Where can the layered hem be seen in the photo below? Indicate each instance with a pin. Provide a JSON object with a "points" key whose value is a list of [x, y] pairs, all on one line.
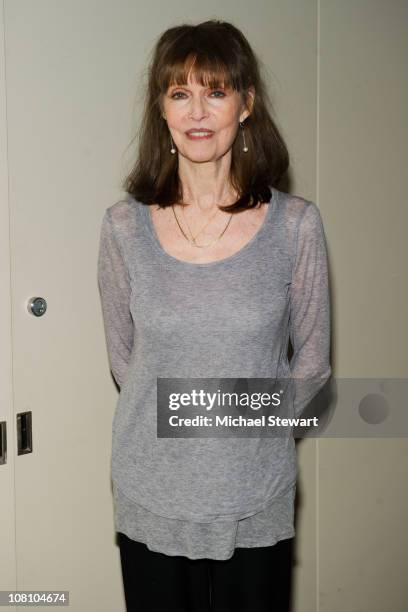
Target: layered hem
{"points": [[199, 540]]}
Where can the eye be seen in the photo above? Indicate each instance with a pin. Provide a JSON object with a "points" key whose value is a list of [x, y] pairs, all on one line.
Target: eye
{"points": [[175, 95]]}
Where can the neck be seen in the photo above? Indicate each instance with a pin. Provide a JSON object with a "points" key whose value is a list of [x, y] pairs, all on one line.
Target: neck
{"points": [[206, 185]]}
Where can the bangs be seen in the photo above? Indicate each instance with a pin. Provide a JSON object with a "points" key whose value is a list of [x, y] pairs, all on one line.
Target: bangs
{"points": [[208, 70]]}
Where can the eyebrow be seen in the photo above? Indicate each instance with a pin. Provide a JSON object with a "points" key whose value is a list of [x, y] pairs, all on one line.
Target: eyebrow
{"points": [[186, 86]]}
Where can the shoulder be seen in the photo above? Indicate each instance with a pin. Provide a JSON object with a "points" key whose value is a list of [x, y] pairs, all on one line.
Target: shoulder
{"points": [[299, 223], [120, 216], [294, 207], [297, 213], [122, 210]]}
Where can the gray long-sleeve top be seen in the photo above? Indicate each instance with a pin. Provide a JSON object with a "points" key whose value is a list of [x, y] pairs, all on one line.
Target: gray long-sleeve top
{"points": [[165, 317]]}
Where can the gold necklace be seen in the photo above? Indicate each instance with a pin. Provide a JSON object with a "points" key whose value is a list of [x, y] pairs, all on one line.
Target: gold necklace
{"points": [[204, 226], [193, 241]]}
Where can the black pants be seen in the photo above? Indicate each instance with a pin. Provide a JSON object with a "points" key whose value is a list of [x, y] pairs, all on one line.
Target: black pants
{"points": [[252, 580]]}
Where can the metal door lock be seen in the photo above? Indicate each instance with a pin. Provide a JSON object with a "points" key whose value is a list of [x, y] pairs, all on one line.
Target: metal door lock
{"points": [[37, 306]]}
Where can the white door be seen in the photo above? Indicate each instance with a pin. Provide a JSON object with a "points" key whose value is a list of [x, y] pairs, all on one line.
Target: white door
{"points": [[54, 190], [7, 430]]}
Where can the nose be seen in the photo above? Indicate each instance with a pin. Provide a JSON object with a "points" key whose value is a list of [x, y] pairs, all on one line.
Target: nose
{"points": [[197, 109]]}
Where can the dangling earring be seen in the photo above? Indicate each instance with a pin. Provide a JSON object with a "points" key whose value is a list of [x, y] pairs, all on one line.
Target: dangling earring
{"points": [[244, 148], [172, 150]]}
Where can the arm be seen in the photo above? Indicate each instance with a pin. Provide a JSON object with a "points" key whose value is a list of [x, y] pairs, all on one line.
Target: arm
{"points": [[309, 322], [114, 287]]}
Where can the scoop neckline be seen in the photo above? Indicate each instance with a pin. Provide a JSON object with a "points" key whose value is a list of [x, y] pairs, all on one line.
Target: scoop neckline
{"points": [[210, 264]]}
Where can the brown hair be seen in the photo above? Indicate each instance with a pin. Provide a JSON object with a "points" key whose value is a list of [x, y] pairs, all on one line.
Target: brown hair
{"points": [[219, 55]]}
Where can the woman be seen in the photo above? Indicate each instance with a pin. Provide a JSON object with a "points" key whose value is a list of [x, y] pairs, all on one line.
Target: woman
{"points": [[205, 270]]}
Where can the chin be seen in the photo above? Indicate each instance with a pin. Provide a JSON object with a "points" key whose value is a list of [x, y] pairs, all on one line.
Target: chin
{"points": [[200, 159]]}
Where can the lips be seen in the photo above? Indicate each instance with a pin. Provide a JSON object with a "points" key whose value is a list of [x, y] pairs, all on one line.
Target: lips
{"points": [[199, 130], [199, 134]]}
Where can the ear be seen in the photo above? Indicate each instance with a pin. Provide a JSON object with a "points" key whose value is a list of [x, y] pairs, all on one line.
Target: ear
{"points": [[249, 104]]}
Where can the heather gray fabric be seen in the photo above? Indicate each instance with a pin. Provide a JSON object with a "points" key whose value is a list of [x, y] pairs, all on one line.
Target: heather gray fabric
{"points": [[216, 540], [231, 318]]}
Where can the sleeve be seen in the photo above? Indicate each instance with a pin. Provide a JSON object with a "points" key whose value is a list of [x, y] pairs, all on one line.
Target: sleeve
{"points": [[309, 319], [114, 287]]}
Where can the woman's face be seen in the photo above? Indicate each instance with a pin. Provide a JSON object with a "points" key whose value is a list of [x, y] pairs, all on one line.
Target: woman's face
{"points": [[203, 122]]}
